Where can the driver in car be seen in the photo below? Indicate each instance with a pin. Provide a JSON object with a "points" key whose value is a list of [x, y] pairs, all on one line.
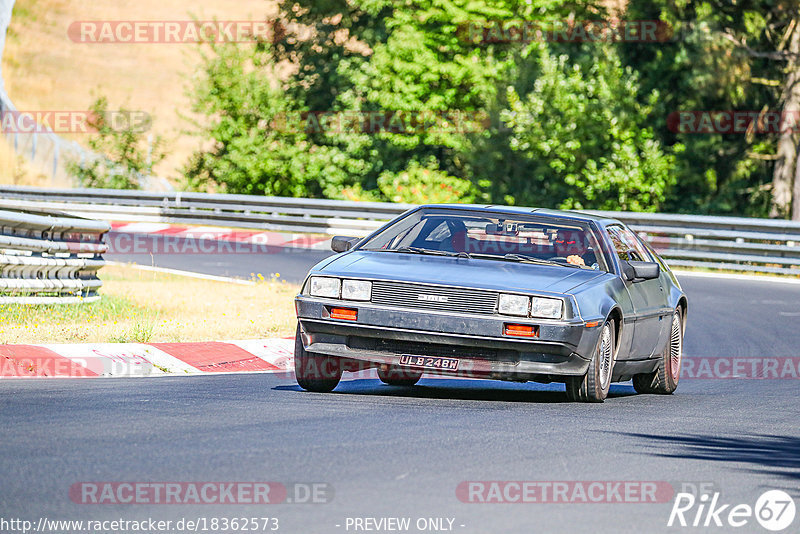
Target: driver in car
{"points": [[571, 245]]}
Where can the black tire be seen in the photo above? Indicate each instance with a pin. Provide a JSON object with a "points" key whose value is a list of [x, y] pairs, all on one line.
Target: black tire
{"points": [[664, 380], [399, 376], [594, 385], [315, 372]]}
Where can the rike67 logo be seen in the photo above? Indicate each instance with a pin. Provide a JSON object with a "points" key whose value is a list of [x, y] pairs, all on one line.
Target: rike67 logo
{"points": [[774, 510]]}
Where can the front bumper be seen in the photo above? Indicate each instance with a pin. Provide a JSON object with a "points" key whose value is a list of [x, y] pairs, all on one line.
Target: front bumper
{"points": [[382, 334]]}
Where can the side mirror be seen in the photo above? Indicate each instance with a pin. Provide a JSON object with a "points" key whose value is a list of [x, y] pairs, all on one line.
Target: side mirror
{"points": [[343, 244], [637, 271]]}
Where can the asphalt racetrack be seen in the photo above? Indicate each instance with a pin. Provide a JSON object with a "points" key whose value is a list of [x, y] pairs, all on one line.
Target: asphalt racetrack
{"points": [[291, 263], [390, 452]]}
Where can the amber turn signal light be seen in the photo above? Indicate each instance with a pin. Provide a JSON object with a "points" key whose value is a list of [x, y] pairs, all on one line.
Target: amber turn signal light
{"points": [[348, 314], [521, 330]]}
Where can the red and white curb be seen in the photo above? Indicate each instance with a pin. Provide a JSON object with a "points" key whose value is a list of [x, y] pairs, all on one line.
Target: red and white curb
{"points": [[253, 237], [274, 355]]}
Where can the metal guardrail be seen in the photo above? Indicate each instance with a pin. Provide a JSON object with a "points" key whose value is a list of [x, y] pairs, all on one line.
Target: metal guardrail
{"points": [[242, 211], [48, 258], [745, 244]]}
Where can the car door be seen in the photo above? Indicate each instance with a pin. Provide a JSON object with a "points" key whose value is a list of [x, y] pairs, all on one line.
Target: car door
{"points": [[648, 296]]}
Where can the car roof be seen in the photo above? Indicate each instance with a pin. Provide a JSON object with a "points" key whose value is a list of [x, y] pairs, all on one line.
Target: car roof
{"points": [[516, 210]]}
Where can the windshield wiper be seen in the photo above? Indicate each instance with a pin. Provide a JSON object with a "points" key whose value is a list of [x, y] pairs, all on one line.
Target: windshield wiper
{"points": [[531, 259], [522, 259], [418, 250]]}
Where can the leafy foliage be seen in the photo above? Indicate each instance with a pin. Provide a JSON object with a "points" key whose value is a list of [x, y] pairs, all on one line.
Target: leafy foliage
{"points": [[571, 125], [253, 151], [123, 159], [433, 185], [579, 129], [701, 68]]}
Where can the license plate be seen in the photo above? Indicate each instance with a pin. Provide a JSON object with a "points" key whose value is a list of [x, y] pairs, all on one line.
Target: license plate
{"points": [[430, 362]]}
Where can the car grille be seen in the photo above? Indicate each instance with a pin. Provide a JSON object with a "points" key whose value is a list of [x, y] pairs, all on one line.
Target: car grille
{"points": [[426, 297]]}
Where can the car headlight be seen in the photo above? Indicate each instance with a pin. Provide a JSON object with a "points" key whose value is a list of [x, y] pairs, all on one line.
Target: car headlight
{"points": [[356, 290], [323, 286], [547, 308], [513, 305]]}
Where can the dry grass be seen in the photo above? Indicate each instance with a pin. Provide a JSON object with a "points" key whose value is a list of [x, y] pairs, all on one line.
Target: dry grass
{"points": [[144, 306], [45, 70], [16, 170]]}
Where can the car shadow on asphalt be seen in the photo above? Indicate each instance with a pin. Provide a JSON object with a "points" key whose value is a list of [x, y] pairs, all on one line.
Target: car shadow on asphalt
{"points": [[476, 390], [766, 454]]}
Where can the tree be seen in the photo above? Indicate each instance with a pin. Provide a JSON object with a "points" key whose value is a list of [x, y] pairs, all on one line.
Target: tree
{"points": [[370, 56], [415, 59], [579, 126], [725, 56], [123, 159], [256, 146]]}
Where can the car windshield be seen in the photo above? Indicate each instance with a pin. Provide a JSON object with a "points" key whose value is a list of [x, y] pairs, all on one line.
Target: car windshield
{"points": [[491, 236]]}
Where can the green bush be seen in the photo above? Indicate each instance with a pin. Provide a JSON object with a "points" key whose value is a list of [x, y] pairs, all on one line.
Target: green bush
{"points": [[425, 185], [123, 157]]}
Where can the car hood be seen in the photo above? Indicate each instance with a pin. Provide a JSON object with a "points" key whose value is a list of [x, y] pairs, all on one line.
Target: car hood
{"points": [[489, 274]]}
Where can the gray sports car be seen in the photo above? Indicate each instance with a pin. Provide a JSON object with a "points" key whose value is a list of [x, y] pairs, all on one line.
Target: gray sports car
{"points": [[505, 293]]}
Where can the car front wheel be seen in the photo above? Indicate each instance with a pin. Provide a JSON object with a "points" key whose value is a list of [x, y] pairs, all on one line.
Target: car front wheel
{"points": [[664, 380], [315, 372], [594, 385]]}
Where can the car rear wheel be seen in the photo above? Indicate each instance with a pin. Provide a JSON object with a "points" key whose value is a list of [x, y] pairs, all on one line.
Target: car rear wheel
{"points": [[395, 375], [315, 372], [664, 380], [594, 385]]}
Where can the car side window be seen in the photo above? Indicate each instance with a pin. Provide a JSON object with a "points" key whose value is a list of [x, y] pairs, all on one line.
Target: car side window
{"points": [[647, 254], [626, 245], [439, 234], [619, 244]]}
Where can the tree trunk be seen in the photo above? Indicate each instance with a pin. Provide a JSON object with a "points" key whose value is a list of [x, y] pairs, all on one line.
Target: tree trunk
{"points": [[786, 162]]}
